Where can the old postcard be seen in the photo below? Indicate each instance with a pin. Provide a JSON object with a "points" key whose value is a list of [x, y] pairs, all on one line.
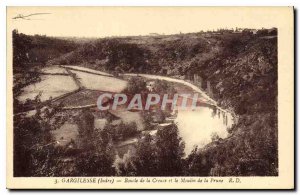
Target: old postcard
{"points": [[150, 98]]}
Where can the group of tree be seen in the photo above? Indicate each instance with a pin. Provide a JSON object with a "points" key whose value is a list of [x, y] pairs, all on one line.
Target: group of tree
{"points": [[243, 79], [159, 155], [37, 49], [121, 131], [34, 149]]}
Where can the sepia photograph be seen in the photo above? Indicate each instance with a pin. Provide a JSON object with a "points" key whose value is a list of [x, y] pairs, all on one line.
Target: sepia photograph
{"points": [[161, 93]]}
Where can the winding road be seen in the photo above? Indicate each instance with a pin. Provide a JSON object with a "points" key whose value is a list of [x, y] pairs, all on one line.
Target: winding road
{"points": [[195, 88]]}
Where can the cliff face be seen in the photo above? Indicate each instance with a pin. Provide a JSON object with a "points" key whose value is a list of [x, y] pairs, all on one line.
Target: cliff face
{"points": [[242, 71]]}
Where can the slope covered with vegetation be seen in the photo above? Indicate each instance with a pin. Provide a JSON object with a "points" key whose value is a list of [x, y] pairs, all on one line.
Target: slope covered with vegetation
{"points": [[37, 50], [241, 68]]}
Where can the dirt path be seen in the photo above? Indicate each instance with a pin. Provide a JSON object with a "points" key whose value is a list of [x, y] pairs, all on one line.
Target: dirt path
{"points": [[75, 78]]}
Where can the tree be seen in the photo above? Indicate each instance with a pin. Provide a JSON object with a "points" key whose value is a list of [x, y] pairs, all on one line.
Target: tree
{"points": [[121, 131], [21, 46], [170, 151], [161, 155], [164, 87], [136, 85], [147, 119], [146, 160], [86, 123], [197, 164], [97, 156], [34, 150]]}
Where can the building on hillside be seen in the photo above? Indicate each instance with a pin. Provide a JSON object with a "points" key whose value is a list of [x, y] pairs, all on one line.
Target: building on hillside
{"points": [[150, 85]]}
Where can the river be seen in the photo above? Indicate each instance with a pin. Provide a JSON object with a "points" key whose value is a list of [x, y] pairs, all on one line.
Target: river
{"points": [[197, 126]]}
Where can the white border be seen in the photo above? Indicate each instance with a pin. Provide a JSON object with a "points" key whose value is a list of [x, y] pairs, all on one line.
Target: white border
{"points": [[5, 3]]}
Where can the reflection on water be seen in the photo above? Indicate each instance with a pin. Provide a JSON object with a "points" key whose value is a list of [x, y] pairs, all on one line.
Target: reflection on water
{"points": [[197, 126]]}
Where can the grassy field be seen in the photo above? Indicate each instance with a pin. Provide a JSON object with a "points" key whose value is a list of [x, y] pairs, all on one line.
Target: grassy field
{"points": [[50, 86], [98, 82]]}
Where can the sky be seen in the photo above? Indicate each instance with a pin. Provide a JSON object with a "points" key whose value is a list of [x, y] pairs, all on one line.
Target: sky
{"points": [[126, 21]]}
